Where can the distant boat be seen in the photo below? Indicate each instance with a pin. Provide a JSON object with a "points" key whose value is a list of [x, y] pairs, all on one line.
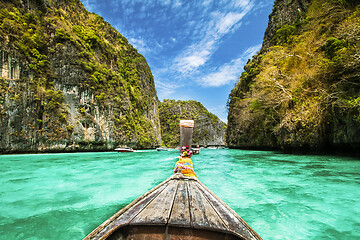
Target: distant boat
{"points": [[196, 151], [124, 149], [162, 149], [212, 148]]}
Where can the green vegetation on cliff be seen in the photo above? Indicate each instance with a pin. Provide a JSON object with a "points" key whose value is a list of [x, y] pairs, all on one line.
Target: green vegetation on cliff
{"points": [[58, 46], [304, 90], [208, 130]]}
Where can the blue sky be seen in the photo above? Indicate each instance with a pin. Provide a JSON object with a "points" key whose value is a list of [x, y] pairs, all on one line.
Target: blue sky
{"points": [[196, 49]]}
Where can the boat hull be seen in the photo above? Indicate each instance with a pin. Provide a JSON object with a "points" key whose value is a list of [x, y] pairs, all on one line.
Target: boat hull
{"points": [[196, 151], [178, 208], [124, 150], [161, 149], [167, 232]]}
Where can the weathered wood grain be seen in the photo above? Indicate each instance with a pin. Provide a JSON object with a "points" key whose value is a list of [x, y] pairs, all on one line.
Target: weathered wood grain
{"points": [[158, 211], [232, 221], [180, 214], [125, 215], [202, 213], [181, 206], [140, 206]]}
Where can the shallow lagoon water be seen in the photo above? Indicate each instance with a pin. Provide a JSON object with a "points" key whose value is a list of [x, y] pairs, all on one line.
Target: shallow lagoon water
{"points": [[65, 196]]}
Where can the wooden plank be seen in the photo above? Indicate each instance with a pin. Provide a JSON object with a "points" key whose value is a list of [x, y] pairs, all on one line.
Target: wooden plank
{"points": [[136, 207], [110, 223], [158, 211], [180, 214], [232, 220], [202, 213], [127, 216]]}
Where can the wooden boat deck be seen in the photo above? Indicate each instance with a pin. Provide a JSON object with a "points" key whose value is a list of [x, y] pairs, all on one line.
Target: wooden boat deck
{"points": [[179, 204]]}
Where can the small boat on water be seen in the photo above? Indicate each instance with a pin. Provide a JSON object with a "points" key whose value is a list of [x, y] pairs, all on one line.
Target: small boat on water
{"points": [[161, 149], [124, 149], [179, 208], [212, 147], [196, 151]]}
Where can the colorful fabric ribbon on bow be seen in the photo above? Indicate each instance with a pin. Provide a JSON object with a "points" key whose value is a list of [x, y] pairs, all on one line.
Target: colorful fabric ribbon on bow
{"points": [[185, 166]]}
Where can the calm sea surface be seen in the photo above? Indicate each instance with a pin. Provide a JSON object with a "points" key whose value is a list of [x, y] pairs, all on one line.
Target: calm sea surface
{"points": [[65, 196]]}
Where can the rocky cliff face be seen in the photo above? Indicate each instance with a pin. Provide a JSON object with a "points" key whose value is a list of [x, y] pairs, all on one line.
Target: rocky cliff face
{"points": [[69, 81], [284, 13], [302, 91], [208, 129]]}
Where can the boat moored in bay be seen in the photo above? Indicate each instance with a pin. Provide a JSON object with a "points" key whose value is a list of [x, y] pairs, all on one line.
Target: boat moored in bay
{"points": [[124, 149], [162, 149]]}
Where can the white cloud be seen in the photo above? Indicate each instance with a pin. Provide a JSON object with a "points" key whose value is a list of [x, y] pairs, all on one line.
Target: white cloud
{"points": [[166, 2], [241, 3], [206, 2], [220, 112], [228, 72], [251, 51], [225, 74], [177, 3], [166, 89], [90, 5], [145, 47], [139, 44], [193, 60], [228, 21], [207, 36]]}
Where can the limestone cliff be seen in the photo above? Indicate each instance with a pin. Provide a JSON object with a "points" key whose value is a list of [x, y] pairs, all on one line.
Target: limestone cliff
{"points": [[209, 130], [284, 13], [69, 81], [302, 90]]}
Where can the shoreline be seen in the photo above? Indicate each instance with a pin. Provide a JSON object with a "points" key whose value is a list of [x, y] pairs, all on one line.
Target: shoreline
{"points": [[345, 152], [291, 151], [14, 152]]}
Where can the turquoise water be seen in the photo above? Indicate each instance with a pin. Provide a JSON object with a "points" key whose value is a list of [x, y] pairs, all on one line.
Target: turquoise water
{"points": [[65, 196]]}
